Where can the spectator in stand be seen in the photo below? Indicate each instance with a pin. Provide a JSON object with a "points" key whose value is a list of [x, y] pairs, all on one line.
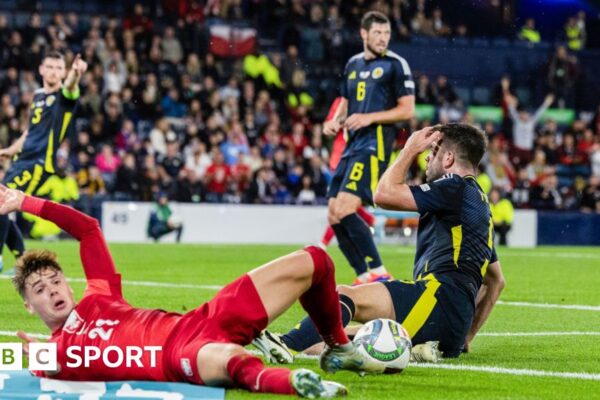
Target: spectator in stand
{"points": [[107, 163], [440, 28], [562, 72], [307, 195], [424, 92], [444, 92], [521, 189], [235, 144], [170, 165], [172, 50], [172, 106], [546, 196], [127, 183], [500, 171], [574, 33], [524, 127], [263, 187], [570, 156], [590, 199], [503, 214], [528, 32], [595, 158], [217, 178], [160, 134], [537, 169], [421, 25]]}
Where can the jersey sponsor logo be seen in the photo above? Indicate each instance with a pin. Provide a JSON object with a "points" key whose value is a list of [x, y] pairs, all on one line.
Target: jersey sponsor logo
{"points": [[352, 186], [425, 187], [377, 73], [364, 74], [352, 75], [186, 367], [50, 100], [39, 103], [409, 84]]}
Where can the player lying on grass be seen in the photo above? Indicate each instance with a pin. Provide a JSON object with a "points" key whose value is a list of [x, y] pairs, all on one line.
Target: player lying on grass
{"points": [[203, 346], [457, 277]]}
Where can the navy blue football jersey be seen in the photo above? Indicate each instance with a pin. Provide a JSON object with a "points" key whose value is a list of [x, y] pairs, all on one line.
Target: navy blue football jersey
{"points": [[455, 240], [50, 117], [371, 86]]}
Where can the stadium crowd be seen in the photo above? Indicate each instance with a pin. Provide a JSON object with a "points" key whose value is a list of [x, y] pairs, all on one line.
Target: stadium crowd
{"points": [[160, 113]]}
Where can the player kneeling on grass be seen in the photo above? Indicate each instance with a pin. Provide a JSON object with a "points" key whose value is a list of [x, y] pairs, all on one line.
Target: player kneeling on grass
{"points": [[457, 277], [203, 346]]}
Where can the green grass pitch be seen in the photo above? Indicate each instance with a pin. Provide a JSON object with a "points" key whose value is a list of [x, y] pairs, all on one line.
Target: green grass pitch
{"points": [[519, 356]]}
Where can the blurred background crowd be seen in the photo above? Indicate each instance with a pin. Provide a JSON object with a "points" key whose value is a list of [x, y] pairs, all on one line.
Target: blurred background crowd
{"points": [[224, 100]]}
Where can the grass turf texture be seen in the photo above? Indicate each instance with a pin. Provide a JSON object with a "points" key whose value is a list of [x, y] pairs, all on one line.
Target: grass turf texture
{"points": [[563, 275]]}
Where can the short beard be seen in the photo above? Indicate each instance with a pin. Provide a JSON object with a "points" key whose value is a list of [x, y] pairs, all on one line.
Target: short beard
{"points": [[372, 50]]}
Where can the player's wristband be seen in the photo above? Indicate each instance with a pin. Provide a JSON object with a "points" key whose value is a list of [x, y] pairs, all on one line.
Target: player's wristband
{"points": [[74, 95], [32, 205]]}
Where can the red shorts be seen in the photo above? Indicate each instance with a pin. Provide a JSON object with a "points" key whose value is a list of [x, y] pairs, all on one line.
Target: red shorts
{"points": [[235, 315]]}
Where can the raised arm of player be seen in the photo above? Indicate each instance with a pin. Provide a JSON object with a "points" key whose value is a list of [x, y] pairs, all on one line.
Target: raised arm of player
{"points": [[95, 256], [392, 192], [490, 290], [77, 70], [14, 148]]}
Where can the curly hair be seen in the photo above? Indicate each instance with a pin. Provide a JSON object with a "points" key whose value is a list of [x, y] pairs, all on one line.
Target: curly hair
{"points": [[33, 261]]}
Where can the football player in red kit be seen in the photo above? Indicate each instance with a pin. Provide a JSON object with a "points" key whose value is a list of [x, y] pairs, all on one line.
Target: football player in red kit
{"points": [[204, 346]]}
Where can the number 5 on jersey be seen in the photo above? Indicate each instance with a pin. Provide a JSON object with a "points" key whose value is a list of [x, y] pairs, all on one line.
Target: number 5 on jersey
{"points": [[361, 90]]}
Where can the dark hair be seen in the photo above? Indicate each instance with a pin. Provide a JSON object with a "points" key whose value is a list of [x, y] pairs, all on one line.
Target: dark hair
{"points": [[373, 17], [55, 54], [468, 142], [33, 261]]}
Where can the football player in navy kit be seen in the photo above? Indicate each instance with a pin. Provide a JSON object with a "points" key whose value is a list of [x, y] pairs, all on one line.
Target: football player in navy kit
{"points": [[377, 92], [457, 277], [34, 152]]}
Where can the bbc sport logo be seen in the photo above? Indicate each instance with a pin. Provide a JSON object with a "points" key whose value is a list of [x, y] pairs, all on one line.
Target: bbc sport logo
{"points": [[43, 356]]}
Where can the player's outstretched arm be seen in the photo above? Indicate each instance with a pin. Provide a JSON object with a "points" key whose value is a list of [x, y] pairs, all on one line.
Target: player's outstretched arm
{"points": [[96, 259], [392, 192], [77, 70], [490, 290]]}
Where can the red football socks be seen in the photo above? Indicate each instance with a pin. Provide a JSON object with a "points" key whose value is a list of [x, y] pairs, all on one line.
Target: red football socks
{"points": [[249, 372], [321, 301]]}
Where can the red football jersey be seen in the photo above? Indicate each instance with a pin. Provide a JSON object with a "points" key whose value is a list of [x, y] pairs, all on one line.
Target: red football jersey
{"points": [[103, 318]]}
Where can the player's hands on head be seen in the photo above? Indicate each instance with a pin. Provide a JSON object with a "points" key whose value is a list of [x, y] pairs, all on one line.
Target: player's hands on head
{"points": [[79, 65], [423, 139], [331, 127], [357, 121], [5, 153], [10, 200]]}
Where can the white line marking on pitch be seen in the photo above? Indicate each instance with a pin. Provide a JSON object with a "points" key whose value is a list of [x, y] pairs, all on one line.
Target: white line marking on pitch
{"points": [[546, 305], [581, 307], [574, 333], [488, 369]]}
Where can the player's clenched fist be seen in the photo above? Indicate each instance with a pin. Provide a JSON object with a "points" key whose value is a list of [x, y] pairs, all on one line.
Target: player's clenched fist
{"points": [[79, 65]]}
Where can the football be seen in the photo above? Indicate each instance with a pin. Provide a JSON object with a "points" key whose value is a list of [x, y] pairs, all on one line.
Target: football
{"points": [[385, 341]]}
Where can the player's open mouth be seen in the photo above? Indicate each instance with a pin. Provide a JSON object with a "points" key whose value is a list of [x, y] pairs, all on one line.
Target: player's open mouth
{"points": [[60, 304]]}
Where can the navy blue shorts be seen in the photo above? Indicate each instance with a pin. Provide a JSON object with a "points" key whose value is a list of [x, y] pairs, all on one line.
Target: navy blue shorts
{"points": [[25, 176], [359, 175], [432, 310]]}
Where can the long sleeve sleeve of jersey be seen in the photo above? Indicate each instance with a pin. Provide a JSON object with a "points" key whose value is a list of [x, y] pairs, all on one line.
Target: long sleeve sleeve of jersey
{"points": [[96, 259]]}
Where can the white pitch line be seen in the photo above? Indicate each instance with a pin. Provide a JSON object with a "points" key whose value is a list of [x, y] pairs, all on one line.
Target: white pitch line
{"points": [[511, 371], [574, 333], [581, 307], [547, 305], [33, 335], [147, 283], [488, 369]]}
